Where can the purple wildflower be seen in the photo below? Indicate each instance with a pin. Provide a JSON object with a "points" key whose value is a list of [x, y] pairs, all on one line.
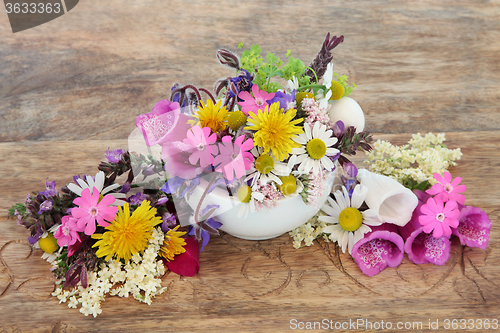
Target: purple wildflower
{"points": [[208, 226], [286, 101], [169, 222], [242, 82], [50, 189], [137, 199], [115, 155], [46, 206]]}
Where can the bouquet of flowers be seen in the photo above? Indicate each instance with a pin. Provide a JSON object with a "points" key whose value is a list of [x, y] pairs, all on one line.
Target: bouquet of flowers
{"points": [[275, 131], [268, 133]]}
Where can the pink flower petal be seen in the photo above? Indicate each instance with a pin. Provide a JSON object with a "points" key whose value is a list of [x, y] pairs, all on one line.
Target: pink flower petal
{"points": [[447, 177]]}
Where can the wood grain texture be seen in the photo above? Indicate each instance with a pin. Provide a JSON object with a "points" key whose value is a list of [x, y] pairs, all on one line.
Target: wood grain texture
{"points": [[71, 88], [420, 66], [246, 285]]}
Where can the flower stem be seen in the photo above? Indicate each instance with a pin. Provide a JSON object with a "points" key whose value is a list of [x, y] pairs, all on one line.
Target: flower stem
{"points": [[198, 207], [320, 86]]}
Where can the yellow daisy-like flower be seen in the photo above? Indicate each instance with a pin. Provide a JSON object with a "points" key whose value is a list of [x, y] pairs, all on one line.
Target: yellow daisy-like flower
{"points": [[212, 116], [172, 244], [274, 130], [127, 234]]}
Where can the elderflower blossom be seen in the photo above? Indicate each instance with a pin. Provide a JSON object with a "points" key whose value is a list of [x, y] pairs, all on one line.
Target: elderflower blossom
{"points": [[418, 160], [308, 232], [139, 278]]}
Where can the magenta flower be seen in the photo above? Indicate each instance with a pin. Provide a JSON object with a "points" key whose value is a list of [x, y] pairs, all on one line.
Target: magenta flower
{"points": [[91, 210], [200, 142], [234, 159], [474, 227], [382, 247], [256, 102], [439, 217], [423, 248], [67, 233], [447, 189]]}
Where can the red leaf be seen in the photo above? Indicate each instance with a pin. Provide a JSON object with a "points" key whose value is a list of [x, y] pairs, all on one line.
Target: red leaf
{"points": [[187, 263]]}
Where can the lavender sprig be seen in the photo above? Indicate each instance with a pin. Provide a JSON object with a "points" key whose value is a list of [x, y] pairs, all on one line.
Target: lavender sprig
{"points": [[323, 58]]}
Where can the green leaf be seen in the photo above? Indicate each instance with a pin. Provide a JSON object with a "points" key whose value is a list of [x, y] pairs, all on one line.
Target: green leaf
{"points": [[255, 49], [240, 45]]}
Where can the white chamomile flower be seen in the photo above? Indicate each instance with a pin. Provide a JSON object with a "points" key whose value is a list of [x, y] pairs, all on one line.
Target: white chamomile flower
{"points": [[291, 85], [267, 169], [349, 224], [98, 183], [316, 148], [247, 198]]}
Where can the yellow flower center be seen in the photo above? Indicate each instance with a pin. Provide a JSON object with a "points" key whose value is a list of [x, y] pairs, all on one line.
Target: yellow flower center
{"points": [[48, 244], [236, 120], [350, 219], [245, 193], [264, 164], [316, 148], [289, 185], [301, 95], [337, 91]]}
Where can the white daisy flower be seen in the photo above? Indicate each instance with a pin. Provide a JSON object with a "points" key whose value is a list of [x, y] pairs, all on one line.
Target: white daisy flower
{"points": [[317, 145], [99, 184], [267, 169], [247, 198], [292, 85], [349, 224], [327, 82]]}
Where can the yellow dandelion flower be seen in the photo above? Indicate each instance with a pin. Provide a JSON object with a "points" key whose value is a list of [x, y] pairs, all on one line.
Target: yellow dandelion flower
{"points": [[212, 116], [172, 244], [127, 234], [274, 130]]}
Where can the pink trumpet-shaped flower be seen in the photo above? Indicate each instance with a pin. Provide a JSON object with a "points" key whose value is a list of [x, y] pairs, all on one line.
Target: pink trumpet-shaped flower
{"points": [[91, 210], [256, 102], [382, 247], [448, 189], [234, 160], [439, 217], [474, 227], [201, 144], [67, 233]]}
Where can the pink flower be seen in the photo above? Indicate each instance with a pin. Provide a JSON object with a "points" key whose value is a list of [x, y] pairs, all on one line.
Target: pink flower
{"points": [[67, 233], [474, 228], [439, 217], [447, 189], [253, 104], [163, 124], [234, 159], [200, 142], [176, 156], [91, 210]]}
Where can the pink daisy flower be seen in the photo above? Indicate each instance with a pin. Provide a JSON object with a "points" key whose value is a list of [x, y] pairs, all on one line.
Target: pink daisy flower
{"points": [[447, 189], [439, 217], [255, 102], [91, 210], [67, 233], [200, 142], [234, 159]]}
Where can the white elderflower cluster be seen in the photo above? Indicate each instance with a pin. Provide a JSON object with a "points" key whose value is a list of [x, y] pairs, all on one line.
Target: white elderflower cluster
{"points": [[139, 278], [418, 160], [307, 232]]}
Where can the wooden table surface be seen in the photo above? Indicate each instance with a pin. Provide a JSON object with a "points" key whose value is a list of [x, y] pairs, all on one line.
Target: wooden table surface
{"points": [[71, 88]]}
